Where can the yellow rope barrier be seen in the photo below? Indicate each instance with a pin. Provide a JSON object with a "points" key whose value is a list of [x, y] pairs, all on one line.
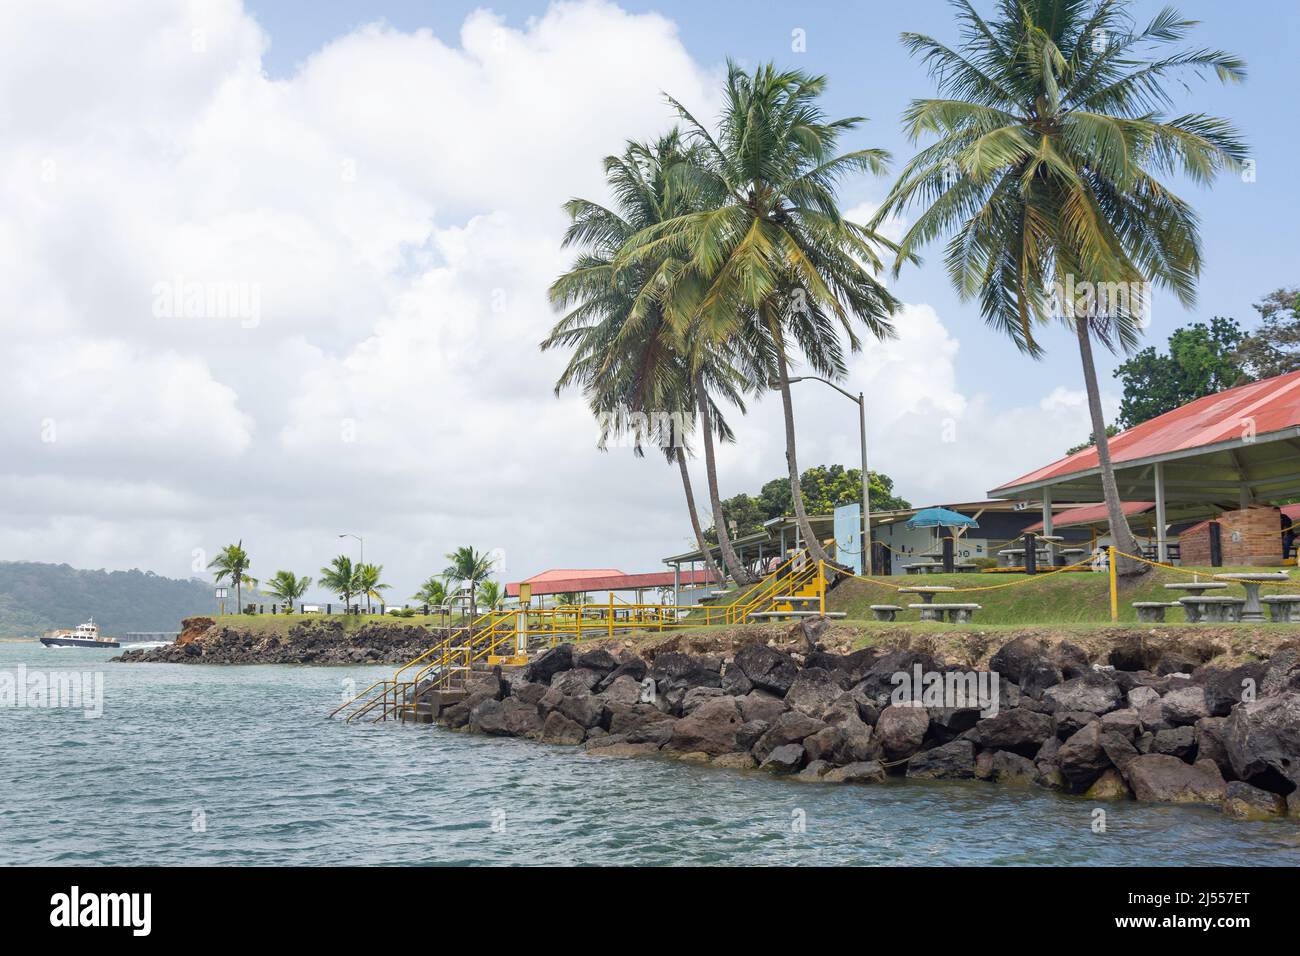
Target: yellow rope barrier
{"points": [[1027, 579]]}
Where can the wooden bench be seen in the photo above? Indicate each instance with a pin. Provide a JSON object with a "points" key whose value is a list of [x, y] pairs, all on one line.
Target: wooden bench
{"points": [[1283, 608], [1212, 610], [1152, 612], [955, 613], [885, 612]]}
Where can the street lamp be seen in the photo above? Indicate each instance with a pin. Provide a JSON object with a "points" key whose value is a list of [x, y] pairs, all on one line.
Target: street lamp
{"points": [[349, 534], [861, 402]]}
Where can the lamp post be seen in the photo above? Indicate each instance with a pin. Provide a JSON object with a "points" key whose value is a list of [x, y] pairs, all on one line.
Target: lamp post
{"points": [[361, 558], [861, 401]]}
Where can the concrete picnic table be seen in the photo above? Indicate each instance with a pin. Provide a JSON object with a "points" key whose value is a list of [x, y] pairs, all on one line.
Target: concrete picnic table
{"points": [[1196, 588], [927, 591], [1252, 581]]}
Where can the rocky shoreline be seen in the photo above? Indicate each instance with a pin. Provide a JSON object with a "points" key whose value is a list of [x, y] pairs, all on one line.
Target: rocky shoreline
{"points": [[326, 641], [1152, 721]]}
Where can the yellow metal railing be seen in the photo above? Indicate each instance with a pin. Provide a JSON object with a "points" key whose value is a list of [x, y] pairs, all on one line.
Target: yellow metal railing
{"points": [[490, 634]]}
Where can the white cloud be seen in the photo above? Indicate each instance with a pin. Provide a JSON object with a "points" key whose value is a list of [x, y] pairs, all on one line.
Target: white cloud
{"points": [[394, 206]]}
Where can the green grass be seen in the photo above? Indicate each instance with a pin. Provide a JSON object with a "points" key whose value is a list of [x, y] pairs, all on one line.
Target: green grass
{"points": [[281, 623], [1021, 600]]}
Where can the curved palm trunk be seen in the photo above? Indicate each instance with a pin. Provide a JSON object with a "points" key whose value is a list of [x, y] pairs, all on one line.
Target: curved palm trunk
{"points": [[239, 593], [695, 517], [729, 558], [1120, 533], [815, 549]]}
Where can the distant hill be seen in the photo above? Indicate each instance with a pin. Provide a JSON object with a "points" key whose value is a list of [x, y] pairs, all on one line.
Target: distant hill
{"points": [[38, 597]]}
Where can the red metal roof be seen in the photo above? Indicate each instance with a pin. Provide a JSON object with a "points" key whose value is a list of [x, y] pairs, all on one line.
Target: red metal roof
{"points": [[1270, 405], [561, 580], [1091, 514]]}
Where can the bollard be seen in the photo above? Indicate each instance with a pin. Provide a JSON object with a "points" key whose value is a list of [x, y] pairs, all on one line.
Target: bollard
{"points": [[1031, 555], [947, 555], [1216, 545]]}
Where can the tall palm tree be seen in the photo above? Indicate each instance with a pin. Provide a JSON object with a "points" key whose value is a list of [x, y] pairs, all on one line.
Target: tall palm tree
{"points": [[1052, 134], [232, 563], [370, 584], [629, 357], [288, 587], [341, 578], [491, 593], [782, 268], [433, 591], [468, 567]]}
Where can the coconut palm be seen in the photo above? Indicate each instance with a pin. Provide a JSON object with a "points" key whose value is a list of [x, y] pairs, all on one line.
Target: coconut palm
{"points": [[232, 563], [288, 587], [782, 268], [370, 584], [491, 593], [432, 592], [468, 567], [630, 359], [341, 578], [1052, 136]]}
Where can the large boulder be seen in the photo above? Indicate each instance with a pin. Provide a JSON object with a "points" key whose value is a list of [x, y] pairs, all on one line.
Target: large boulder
{"points": [[598, 659], [639, 723], [699, 695], [1185, 706], [1096, 692], [734, 681], [674, 669], [505, 718], [1010, 768], [1082, 758], [629, 666], [622, 690], [710, 728], [1263, 742], [867, 771], [578, 680], [847, 669], [762, 705], [787, 758], [901, 729], [1210, 744], [1017, 730], [950, 761], [549, 663], [812, 692], [790, 727], [1161, 778], [1070, 722], [584, 709], [1177, 742], [558, 729], [767, 669], [1224, 688], [1245, 802], [882, 678], [1016, 659]]}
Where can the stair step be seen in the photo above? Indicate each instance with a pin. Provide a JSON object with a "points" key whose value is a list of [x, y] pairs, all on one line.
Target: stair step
{"points": [[781, 614]]}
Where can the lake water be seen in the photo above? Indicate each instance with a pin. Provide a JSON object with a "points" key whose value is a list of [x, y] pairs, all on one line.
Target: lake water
{"points": [[237, 765]]}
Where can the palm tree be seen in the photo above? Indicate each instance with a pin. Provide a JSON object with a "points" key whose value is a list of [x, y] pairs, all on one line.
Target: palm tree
{"points": [[628, 357], [491, 593], [468, 567], [341, 578], [432, 592], [288, 587], [781, 266], [1051, 138], [232, 562], [369, 583]]}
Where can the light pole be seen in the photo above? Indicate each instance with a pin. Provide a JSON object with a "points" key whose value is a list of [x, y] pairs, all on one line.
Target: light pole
{"points": [[861, 402], [362, 557]]}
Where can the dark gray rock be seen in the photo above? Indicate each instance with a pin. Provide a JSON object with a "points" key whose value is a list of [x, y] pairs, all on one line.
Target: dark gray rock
{"points": [[950, 761], [812, 692], [598, 659], [1263, 742], [790, 727], [1018, 730], [584, 709], [869, 771], [900, 730], [549, 663], [787, 758], [1095, 692], [1178, 742], [767, 669], [1209, 740], [1164, 779], [1245, 802], [710, 728], [762, 705], [558, 729], [1185, 706]]}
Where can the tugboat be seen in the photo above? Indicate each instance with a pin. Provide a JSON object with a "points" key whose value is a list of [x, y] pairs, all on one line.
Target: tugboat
{"points": [[83, 635]]}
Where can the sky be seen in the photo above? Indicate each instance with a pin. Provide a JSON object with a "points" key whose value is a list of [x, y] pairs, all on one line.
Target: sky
{"points": [[367, 199]]}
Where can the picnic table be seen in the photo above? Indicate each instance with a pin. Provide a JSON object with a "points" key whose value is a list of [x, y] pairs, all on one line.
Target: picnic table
{"points": [[926, 591], [1252, 581], [1195, 588], [922, 567]]}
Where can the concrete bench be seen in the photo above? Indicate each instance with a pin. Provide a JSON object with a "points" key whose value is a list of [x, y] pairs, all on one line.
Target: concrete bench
{"points": [[922, 567], [955, 613], [1212, 610], [1283, 608], [778, 615], [1152, 612], [885, 612]]}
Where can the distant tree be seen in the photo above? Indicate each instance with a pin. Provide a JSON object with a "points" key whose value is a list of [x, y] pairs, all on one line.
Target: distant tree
{"points": [[369, 582], [341, 578], [826, 487], [491, 593], [433, 591], [468, 567], [232, 563], [1202, 359], [744, 514], [1111, 432], [572, 597], [288, 587], [1274, 347]]}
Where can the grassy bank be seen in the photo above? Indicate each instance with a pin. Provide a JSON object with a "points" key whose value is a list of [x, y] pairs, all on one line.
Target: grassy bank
{"points": [[281, 623]]}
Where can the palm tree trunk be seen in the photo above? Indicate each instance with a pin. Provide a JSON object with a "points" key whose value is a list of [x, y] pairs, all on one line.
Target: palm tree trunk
{"points": [[729, 558], [815, 549], [239, 594], [1120, 533], [700, 541]]}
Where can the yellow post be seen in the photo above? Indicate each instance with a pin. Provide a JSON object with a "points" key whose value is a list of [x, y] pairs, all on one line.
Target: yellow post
{"points": [[821, 585], [1114, 585], [577, 625], [611, 613]]}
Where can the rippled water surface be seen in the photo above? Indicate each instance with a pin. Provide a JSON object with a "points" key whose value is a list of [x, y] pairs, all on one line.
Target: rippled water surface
{"points": [[236, 765]]}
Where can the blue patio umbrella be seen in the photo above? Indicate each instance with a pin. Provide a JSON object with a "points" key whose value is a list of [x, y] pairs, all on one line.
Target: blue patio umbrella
{"points": [[941, 518]]}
